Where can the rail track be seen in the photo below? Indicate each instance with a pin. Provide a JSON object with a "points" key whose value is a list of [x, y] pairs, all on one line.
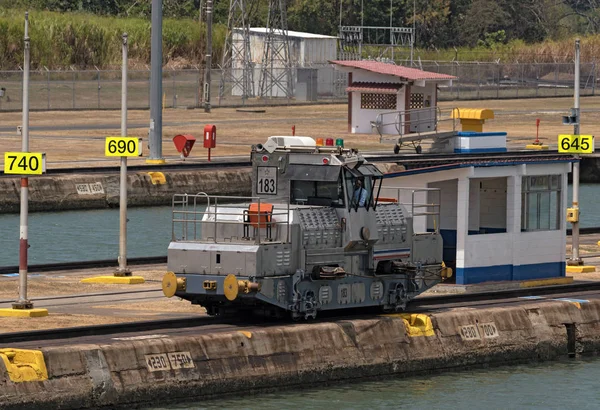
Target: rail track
{"points": [[420, 304], [68, 266]]}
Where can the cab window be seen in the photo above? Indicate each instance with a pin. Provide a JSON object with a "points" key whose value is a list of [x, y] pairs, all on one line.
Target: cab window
{"points": [[359, 190], [322, 193]]}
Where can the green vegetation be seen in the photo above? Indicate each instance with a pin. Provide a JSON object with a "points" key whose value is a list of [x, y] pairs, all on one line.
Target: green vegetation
{"points": [[86, 33], [83, 40]]}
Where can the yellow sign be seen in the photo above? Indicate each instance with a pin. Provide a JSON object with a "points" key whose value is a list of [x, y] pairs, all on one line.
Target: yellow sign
{"points": [[122, 147], [24, 163], [576, 144]]}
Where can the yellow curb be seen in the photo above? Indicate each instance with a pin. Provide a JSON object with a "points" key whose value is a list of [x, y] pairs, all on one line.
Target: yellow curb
{"points": [[536, 147], [581, 269], [158, 178], [23, 312], [546, 282], [156, 161], [24, 365], [417, 324], [115, 280]]}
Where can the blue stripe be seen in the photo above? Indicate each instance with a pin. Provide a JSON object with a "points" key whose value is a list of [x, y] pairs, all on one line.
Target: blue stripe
{"points": [[478, 150], [480, 134], [532, 297], [572, 300], [466, 276]]}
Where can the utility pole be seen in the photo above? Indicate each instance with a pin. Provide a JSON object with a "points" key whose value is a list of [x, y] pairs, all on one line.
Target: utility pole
{"points": [[155, 133], [575, 259], [575, 264], [23, 302], [413, 34], [391, 25], [123, 270], [208, 59]]}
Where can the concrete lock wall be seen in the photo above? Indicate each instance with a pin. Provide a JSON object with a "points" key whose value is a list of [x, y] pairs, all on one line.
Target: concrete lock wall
{"points": [[243, 362], [68, 192]]}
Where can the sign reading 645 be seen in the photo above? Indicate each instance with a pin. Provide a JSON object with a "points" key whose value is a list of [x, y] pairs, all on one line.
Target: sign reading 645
{"points": [[576, 144]]}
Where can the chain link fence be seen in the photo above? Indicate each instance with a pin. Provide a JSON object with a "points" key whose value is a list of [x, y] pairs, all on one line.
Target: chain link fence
{"points": [[101, 89]]}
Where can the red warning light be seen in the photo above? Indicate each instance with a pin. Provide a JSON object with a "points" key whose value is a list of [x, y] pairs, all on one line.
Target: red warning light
{"points": [[265, 158], [325, 161]]}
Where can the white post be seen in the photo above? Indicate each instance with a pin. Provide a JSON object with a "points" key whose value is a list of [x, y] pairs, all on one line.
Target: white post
{"points": [[575, 259], [123, 270], [208, 57], [462, 224], [23, 302]]}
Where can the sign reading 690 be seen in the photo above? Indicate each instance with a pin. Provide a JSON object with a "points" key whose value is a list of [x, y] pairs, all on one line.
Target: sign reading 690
{"points": [[577, 144], [24, 163], [122, 147]]}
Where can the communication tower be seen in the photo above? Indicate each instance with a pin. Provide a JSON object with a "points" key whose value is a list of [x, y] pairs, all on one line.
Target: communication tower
{"points": [[276, 77], [237, 67]]}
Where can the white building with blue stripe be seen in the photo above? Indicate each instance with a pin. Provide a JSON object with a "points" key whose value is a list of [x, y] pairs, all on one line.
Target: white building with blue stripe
{"points": [[502, 216]]}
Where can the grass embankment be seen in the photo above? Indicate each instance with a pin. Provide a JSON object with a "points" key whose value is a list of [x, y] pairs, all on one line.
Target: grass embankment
{"points": [[550, 51], [60, 41], [80, 40]]}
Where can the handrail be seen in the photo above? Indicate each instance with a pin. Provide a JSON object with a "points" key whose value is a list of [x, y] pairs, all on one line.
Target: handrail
{"points": [[400, 122], [431, 208], [215, 214]]}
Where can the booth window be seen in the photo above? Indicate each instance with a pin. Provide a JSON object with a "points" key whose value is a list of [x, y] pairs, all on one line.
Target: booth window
{"points": [[371, 101], [540, 205]]}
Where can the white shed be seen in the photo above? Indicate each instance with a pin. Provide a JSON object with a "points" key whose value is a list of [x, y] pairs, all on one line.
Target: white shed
{"points": [[409, 94], [307, 51]]}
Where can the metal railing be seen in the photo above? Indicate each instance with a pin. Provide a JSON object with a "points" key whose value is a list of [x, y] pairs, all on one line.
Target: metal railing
{"points": [[429, 208], [403, 121], [202, 218]]}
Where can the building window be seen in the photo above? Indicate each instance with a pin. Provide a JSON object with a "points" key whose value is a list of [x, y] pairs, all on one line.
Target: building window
{"points": [[369, 101], [540, 206], [416, 101]]}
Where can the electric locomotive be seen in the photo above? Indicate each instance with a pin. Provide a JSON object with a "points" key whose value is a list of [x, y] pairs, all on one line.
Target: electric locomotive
{"points": [[317, 234]]}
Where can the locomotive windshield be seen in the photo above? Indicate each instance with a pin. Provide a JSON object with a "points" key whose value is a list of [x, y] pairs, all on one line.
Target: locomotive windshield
{"points": [[362, 186], [323, 193]]}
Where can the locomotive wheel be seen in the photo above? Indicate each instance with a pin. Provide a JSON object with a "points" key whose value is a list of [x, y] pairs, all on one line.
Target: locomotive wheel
{"points": [[231, 288]]}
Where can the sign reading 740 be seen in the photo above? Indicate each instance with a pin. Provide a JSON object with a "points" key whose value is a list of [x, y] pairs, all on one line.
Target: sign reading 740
{"points": [[576, 144], [24, 163]]}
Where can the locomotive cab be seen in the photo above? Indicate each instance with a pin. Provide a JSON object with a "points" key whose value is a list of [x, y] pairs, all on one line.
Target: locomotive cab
{"points": [[313, 236]]}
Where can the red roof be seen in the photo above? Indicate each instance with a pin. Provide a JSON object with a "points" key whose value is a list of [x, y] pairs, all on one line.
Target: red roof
{"points": [[407, 73], [378, 88]]}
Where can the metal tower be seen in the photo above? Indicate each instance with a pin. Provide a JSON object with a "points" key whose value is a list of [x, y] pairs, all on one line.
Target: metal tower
{"points": [[237, 67], [277, 76], [381, 40]]}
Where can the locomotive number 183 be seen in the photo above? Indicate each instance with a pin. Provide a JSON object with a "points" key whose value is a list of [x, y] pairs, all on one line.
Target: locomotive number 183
{"points": [[266, 181]]}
